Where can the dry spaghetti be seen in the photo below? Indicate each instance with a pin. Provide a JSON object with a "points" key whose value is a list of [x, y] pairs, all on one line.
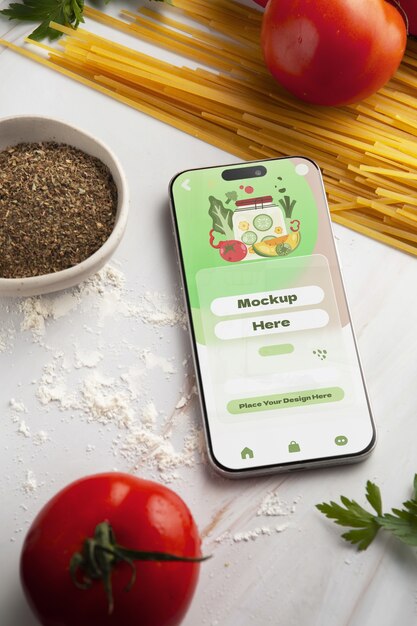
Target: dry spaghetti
{"points": [[367, 152]]}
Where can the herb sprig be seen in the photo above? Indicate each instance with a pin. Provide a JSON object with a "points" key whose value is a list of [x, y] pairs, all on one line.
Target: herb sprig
{"points": [[402, 523], [65, 12]]}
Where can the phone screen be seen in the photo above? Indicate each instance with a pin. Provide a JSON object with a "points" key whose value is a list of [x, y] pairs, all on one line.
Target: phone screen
{"points": [[278, 368]]}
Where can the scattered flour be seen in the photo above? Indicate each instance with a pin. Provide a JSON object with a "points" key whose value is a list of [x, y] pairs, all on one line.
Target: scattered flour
{"points": [[52, 386], [249, 535], [143, 446], [134, 378], [87, 359], [24, 429], [73, 383], [19, 407], [156, 309], [103, 402], [149, 414], [30, 484], [281, 528], [152, 360], [40, 437], [272, 505], [38, 309]]}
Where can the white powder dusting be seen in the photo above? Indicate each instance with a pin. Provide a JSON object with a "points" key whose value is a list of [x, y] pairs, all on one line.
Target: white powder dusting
{"points": [[24, 429], [30, 484], [156, 309], [104, 403], [38, 309], [281, 528], [272, 505], [87, 359], [251, 535], [143, 446], [40, 437], [52, 386], [152, 361], [72, 381], [19, 407], [113, 276], [149, 414]]}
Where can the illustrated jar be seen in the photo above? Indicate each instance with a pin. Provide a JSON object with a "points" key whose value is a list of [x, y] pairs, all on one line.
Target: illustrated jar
{"points": [[257, 219]]}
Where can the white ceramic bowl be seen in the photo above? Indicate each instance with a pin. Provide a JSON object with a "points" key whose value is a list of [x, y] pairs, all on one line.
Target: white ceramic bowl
{"points": [[27, 129]]}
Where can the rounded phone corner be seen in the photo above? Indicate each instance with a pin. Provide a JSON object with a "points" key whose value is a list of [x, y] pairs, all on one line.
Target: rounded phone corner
{"points": [[309, 160], [219, 468], [174, 179], [370, 447], [223, 470]]}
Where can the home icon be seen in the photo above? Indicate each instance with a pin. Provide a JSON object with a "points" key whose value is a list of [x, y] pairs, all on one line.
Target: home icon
{"points": [[246, 453]]}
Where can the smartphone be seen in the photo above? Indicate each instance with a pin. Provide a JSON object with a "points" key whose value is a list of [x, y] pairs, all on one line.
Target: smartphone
{"points": [[277, 366]]}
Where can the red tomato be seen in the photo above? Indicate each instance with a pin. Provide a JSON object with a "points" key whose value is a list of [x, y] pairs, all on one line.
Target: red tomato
{"points": [[232, 250], [332, 52], [144, 516], [261, 3]]}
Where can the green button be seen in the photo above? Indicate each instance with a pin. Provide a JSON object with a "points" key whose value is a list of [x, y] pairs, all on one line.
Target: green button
{"points": [[283, 348], [286, 400]]}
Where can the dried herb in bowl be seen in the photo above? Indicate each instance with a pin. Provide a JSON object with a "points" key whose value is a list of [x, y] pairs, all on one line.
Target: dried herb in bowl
{"points": [[57, 207]]}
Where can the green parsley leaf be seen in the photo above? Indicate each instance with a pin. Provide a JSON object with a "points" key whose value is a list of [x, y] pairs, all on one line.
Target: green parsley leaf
{"points": [[402, 523], [66, 12]]}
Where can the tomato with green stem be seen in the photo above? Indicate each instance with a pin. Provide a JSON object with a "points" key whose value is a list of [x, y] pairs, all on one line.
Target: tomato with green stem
{"points": [[332, 53], [111, 550], [231, 250]]}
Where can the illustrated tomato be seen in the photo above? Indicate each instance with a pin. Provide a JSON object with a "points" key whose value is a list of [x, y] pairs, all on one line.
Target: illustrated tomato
{"points": [[332, 52], [124, 575], [231, 250]]}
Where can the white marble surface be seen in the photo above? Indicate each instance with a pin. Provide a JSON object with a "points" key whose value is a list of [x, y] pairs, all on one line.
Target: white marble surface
{"points": [[303, 576]]}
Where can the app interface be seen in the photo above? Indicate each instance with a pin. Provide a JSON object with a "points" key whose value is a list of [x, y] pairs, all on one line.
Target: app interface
{"points": [[279, 370]]}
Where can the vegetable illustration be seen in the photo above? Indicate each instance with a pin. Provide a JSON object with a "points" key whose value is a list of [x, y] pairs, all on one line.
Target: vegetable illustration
{"points": [[140, 567], [231, 196], [230, 250], [365, 525], [222, 218], [277, 246], [332, 57], [288, 205]]}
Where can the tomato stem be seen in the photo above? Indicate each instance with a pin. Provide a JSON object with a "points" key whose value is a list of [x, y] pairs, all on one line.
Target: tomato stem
{"points": [[101, 554]]}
